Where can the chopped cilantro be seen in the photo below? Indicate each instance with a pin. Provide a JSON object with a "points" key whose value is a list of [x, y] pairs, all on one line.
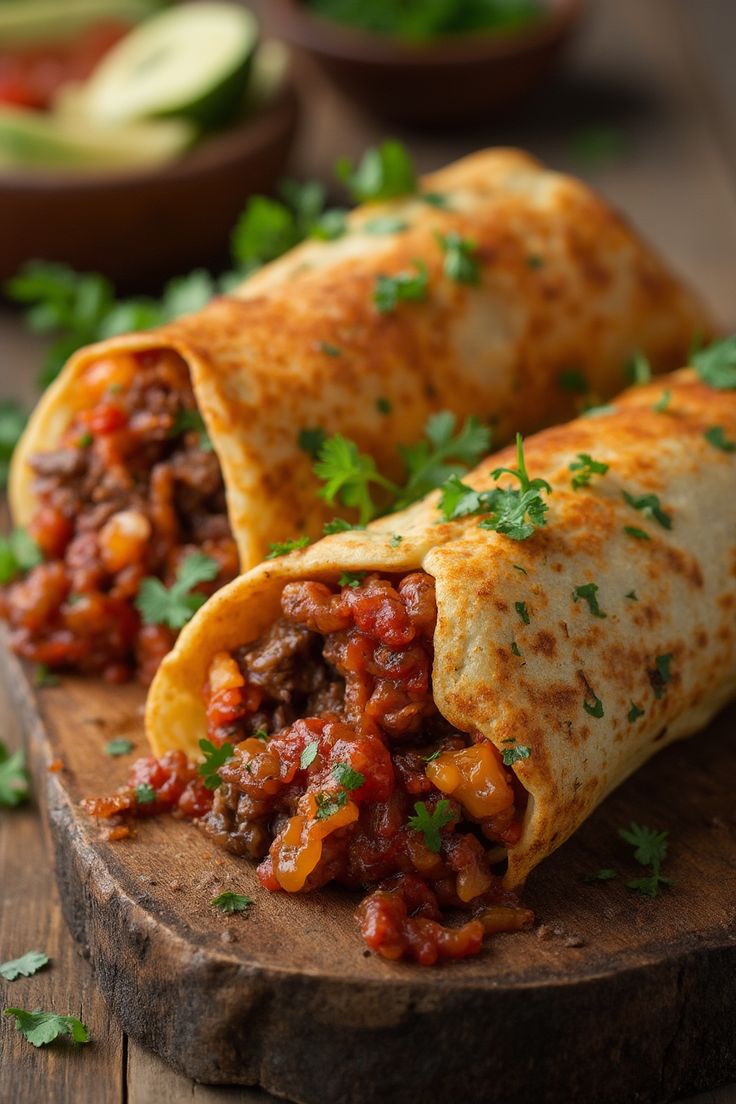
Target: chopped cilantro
{"points": [[594, 709], [282, 548], [716, 436], [13, 778], [650, 506], [435, 755], [661, 674], [599, 411], [522, 611], [632, 596], [605, 875], [650, 849], [535, 261], [396, 540], [515, 754], [85, 440], [329, 349], [589, 593], [663, 402], [639, 534], [351, 579], [348, 474], [145, 794], [405, 286], [430, 824], [229, 902], [191, 421], [41, 1028], [639, 370], [634, 713], [461, 264], [309, 754], [518, 567], [585, 467], [348, 778], [12, 423], [25, 966], [436, 199], [573, 381], [339, 525], [119, 746], [383, 406], [385, 224], [18, 554], [716, 365], [214, 758], [177, 604], [311, 440], [260, 734], [515, 649], [329, 803], [383, 173], [44, 677]]}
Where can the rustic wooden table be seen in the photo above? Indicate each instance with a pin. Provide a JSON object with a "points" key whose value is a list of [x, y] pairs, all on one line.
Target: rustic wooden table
{"points": [[653, 86]]}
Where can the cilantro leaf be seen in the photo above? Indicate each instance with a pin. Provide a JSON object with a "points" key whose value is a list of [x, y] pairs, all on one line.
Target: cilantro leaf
{"points": [[663, 402], [229, 902], [188, 420], [282, 548], [650, 846], [119, 746], [214, 758], [41, 1028], [650, 506], [145, 794], [429, 824], [661, 674], [309, 754], [348, 475], [634, 713], [442, 455], [649, 885], [573, 381], [461, 264], [44, 677], [18, 553], [25, 966], [436, 199], [515, 649], [589, 593], [329, 803], [522, 611], [383, 406], [406, 286], [339, 525], [716, 436], [585, 468], [639, 370], [348, 778], [13, 778], [12, 423], [515, 754], [311, 440], [396, 540], [383, 173], [605, 875], [351, 579], [639, 534], [716, 365], [328, 349], [177, 604], [385, 224]]}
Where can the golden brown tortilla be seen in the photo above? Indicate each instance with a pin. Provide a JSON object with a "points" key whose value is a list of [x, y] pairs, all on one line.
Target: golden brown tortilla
{"points": [[568, 292], [682, 579]]}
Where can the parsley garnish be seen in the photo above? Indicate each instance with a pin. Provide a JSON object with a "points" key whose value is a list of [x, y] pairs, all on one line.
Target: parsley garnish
{"points": [[329, 803], [515, 754], [13, 778], [18, 553], [518, 567], [535, 261], [339, 525], [383, 173], [385, 224], [639, 370], [389, 291], [348, 475], [282, 548], [268, 228], [639, 534], [661, 675], [716, 365], [436, 199], [177, 604], [396, 540], [309, 754], [650, 849], [663, 402], [41, 1028], [44, 677], [632, 596], [229, 902], [25, 966], [461, 264], [311, 440], [514, 513], [515, 649], [605, 875], [351, 579], [634, 713], [589, 593], [429, 824], [383, 406], [12, 423], [596, 708], [145, 794], [585, 468], [329, 349], [716, 436], [348, 778], [119, 746], [650, 506], [573, 381], [260, 734], [191, 421], [522, 611], [214, 758], [84, 440]]}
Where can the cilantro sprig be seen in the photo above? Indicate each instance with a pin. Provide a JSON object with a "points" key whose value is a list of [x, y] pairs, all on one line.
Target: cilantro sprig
{"points": [[282, 548], [431, 823], [214, 758], [650, 850], [404, 287], [26, 966], [589, 593], [584, 468], [716, 436], [18, 554], [12, 423], [514, 512], [229, 902], [716, 365], [384, 172], [350, 476], [650, 506], [461, 263], [42, 1028], [13, 778], [177, 604]]}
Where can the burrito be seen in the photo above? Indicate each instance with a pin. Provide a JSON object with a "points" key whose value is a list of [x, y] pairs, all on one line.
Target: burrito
{"points": [[500, 290], [458, 686]]}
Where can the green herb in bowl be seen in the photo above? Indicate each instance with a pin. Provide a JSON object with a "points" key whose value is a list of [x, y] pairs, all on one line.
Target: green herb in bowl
{"points": [[429, 19]]}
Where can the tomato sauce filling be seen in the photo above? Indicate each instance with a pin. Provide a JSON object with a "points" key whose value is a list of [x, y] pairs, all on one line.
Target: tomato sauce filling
{"points": [[132, 488]]}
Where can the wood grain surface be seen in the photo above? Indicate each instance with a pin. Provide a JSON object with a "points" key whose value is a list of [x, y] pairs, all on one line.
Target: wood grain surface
{"points": [[661, 76]]}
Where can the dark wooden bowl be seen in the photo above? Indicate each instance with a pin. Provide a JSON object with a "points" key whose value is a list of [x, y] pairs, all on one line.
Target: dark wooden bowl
{"points": [[141, 226], [465, 78]]}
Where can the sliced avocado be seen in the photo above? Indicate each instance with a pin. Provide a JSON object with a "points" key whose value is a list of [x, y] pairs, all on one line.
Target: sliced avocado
{"points": [[26, 22], [191, 62], [37, 140]]}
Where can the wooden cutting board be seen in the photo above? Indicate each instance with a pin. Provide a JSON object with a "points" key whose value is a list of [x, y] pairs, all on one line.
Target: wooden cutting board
{"points": [[611, 998]]}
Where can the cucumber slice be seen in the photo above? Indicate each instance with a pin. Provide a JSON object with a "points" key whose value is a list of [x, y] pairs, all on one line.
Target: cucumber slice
{"points": [[25, 22], [191, 61], [36, 140]]}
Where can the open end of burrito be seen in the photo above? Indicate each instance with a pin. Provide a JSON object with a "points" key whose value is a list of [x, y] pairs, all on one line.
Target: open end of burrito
{"points": [[128, 489], [362, 779]]}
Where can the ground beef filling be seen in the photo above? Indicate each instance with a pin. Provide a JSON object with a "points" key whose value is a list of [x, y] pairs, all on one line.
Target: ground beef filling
{"points": [[344, 770], [132, 489]]}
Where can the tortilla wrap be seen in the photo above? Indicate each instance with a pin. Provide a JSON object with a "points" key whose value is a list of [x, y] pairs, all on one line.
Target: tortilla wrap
{"points": [[671, 595], [565, 287]]}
